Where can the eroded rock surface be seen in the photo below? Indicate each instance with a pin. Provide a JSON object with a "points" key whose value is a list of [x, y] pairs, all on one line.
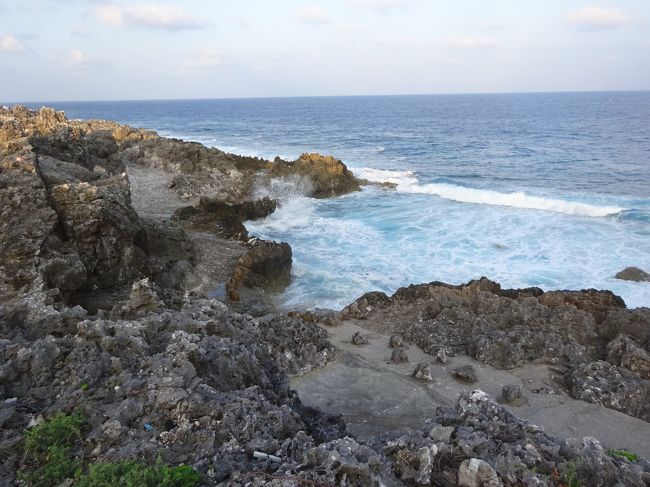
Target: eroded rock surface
{"points": [[603, 346], [96, 316], [633, 274]]}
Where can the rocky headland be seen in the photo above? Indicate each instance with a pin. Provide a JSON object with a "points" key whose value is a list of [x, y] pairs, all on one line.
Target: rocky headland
{"points": [[132, 313]]}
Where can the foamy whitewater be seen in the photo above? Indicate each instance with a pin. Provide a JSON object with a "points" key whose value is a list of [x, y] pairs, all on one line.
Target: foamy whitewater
{"points": [[548, 190], [406, 182]]}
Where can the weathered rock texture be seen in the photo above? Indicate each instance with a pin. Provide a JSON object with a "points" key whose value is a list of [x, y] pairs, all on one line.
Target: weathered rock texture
{"points": [[604, 346], [328, 175], [226, 217], [163, 372], [633, 274], [212, 383], [267, 265], [67, 221]]}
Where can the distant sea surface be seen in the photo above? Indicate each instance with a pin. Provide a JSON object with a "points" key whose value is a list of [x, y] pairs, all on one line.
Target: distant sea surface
{"points": [[548, 190]]}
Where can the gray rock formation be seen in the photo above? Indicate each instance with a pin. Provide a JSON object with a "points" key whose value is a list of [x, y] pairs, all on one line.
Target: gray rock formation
{"points": [[422, 372], [511, 393], [267, 265], [465, 373], [633, 274], [162, 372], [399, 356], [603, 346], [359, 339]]}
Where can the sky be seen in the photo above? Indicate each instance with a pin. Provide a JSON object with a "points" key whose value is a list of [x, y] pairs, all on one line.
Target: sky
{"points": [[56, 50]]}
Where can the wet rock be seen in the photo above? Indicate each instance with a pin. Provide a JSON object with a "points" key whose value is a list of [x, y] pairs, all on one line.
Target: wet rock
{"points": [[633, 274], [477, 473], [399, 356], [422, 372], [226, 216], [395, 341], [329, 176], [465, 373], [511, 393], [267, 265], [359, 339]]}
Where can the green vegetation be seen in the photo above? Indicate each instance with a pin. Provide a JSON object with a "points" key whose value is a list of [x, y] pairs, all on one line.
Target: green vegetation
{"points": [[135, 474], [632, 457], [49, 460], [570, 475], [62, 430], [48, 450]]}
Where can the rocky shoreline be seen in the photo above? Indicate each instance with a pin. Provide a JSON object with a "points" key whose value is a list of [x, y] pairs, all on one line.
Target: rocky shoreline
{"points": [[112, 242]]}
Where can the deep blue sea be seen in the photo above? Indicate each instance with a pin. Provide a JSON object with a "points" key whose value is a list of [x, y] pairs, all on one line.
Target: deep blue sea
{"points": [[548, 190]]}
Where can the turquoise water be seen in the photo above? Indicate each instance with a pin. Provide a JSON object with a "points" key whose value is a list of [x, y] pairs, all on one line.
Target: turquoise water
{"points": [[548, 190]]}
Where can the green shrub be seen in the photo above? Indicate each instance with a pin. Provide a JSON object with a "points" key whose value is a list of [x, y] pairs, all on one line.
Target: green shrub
{"points": [[60, 430], [48, 458], [58, 465], [135, 474], [49, 461], [623, 454]]}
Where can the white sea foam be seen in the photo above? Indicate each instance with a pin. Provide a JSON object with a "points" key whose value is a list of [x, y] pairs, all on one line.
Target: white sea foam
{"points": [[407, 183]]}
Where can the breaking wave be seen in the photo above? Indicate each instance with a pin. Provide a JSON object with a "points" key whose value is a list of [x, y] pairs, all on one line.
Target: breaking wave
{"points": [[407, 183]]}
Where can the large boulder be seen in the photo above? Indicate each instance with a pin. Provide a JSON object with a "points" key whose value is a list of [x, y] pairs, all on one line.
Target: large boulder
{"points": [[266, 265], [633, 274], [329, 176], [226, 217]]}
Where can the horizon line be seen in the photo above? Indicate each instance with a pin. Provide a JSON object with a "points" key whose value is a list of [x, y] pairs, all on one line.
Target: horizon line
{"points": [[127, 100]]}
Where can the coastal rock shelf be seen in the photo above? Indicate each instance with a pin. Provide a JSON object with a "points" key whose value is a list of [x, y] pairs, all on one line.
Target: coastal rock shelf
{"points": [[111, 240]]}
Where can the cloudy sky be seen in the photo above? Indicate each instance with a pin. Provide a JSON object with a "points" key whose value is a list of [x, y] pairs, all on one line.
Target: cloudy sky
{"points": [[53, 50]]}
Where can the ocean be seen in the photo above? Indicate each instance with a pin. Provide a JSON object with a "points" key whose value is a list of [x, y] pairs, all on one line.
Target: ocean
{"points": [[548, 190]]}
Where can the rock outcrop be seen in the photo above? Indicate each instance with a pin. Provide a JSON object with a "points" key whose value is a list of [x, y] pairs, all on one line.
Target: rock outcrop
{"points": [[266, 265], [95, 316], [603, 346], [225, 217], [633, 274], [212, 384], [329, 176]]}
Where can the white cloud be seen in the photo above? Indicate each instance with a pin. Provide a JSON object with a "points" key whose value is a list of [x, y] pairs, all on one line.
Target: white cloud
{"points": [[76, 58], [203, 58], [379, 5], [594, 17], [313, 14], [11, 45], [470, 42], [147, 15], [347, 28], [81, 32]]}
